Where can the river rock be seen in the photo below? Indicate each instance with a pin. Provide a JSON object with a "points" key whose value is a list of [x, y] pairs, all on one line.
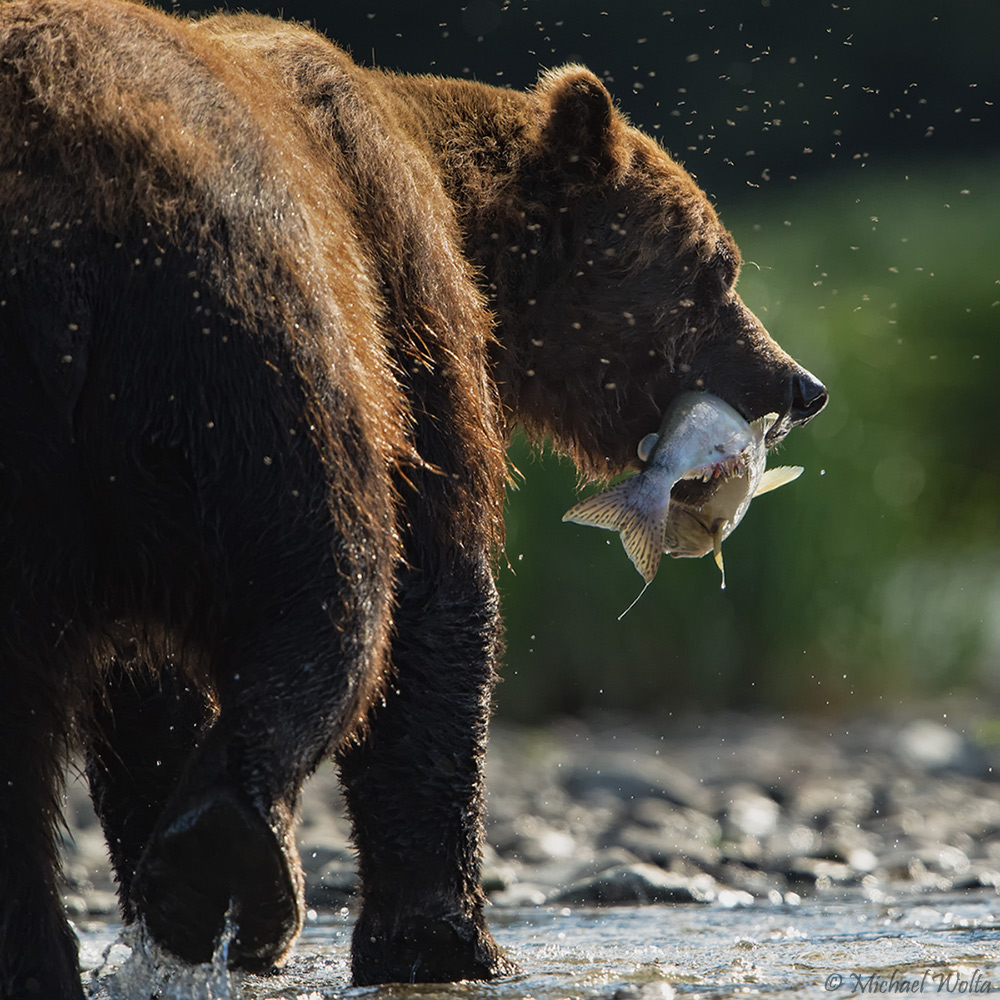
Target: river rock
{"points": [[628, 777], [937, 747], [638, 883], [658, 990]]}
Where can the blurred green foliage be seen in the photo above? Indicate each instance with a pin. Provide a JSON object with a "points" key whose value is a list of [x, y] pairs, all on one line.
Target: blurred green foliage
{"points": [[874, 575]]}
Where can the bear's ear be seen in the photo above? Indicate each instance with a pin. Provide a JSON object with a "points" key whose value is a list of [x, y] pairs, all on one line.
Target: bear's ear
{"points": [[580, 122]]}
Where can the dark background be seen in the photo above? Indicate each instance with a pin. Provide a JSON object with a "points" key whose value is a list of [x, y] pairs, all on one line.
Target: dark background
{"points": [[745, 92], [853, 151]]}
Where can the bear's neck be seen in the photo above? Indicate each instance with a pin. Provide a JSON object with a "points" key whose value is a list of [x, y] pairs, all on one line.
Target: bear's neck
{"points": [[475, 132], [477, 136]]}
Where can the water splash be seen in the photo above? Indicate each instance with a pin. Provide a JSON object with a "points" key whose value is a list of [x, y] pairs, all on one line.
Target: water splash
{"points": [[135, 966]]}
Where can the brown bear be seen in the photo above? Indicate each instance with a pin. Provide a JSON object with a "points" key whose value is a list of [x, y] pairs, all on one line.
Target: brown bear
{"points": [[267, 319]]}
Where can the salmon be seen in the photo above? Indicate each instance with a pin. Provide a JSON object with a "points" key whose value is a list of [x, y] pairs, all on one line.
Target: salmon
{"points": [[701, 438]]}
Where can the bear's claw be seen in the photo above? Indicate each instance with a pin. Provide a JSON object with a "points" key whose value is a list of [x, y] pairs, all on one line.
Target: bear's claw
{"points": [[425, 949]]}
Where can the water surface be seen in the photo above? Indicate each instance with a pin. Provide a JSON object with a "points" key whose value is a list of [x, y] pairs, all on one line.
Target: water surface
{"points": [[944, 944]]}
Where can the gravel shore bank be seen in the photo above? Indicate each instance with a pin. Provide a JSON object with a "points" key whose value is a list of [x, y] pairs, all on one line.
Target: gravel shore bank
{"points": [[727, 808]]}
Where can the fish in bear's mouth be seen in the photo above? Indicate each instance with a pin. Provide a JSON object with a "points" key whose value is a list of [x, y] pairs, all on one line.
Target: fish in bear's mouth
{"points": [[701, 470]]}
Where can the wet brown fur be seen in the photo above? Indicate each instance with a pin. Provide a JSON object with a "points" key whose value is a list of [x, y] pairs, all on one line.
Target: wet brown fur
{"points": [[267, 319]]}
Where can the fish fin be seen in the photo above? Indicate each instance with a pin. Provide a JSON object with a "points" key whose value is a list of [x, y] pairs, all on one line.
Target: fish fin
{"points": [[641, 533], [717, 546], [646, 446], [763, 424], [635, 602], [778, 476]]}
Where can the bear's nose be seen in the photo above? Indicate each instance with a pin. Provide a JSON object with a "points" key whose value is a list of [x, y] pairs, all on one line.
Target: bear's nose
{"points": [[807, 396]]}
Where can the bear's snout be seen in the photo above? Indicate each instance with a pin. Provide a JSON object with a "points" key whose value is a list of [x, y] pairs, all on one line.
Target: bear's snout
{"points": [[806, 396]]}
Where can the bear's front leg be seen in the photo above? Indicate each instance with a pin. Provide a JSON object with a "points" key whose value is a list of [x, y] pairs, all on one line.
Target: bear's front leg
{"points": [[415, 790]]}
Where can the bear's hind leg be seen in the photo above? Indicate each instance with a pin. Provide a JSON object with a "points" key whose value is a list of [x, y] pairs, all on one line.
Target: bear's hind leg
{"points": [[214, 860], [289, 684], [144, 727]]}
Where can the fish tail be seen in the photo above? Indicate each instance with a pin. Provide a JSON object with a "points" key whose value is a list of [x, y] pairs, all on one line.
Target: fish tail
{"points": [[617, 510], [642, 537]]}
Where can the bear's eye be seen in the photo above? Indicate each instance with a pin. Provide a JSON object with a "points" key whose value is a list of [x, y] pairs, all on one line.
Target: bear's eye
{"points": [[725, 271]]}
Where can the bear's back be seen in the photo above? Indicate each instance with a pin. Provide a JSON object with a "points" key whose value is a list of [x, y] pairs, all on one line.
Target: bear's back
{"points": [[135, 127]]}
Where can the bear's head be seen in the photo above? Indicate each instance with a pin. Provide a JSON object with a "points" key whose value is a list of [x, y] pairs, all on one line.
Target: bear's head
{"points": [[613, 282]]}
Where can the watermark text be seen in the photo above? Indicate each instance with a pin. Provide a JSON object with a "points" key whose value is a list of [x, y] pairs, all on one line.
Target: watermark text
{"points": [[948, 982]]}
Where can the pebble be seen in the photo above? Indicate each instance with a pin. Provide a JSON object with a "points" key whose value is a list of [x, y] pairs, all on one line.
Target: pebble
{"points": [[638, 883], [722, 810], [937, 747], [645, 991], [627, 777]]}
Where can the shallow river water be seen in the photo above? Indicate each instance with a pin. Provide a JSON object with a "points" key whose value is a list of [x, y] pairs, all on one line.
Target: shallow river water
{"points": [[945, 944]]}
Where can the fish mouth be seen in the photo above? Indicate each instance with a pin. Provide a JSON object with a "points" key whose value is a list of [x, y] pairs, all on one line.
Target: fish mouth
{"points": [[698, 485], [693, 494]]}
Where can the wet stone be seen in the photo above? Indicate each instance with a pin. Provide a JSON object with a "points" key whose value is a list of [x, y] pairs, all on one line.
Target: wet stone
{"points": [[820, 871], [520, 894], [822, 801], [587, 864], [977, 878], [639, 883], [937, 747], [760, 884], [645, 991], [531, 839], [628, 777], [94, 903], [497, 873], [750, 812], [661, 847], [316, 858]]}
